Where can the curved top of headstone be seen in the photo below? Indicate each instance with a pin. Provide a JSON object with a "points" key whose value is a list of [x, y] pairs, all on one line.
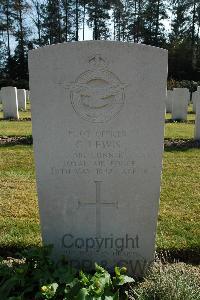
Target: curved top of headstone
{"points": [[99, 43], [8, 87]]}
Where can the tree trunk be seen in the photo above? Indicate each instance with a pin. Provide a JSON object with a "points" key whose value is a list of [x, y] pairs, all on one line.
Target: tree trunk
{"points": [[38, 22], [66, 19], [8, 29], [77, 6], [157, 22], [84, 11], [96, 35], [21, 32]]}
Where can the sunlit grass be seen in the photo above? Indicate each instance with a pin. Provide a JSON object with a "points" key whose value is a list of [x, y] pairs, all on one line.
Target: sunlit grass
{"points": [[19, 221], [179, 222], [179, 130]]}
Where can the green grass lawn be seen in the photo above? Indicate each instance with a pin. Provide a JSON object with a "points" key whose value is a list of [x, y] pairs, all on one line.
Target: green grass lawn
{"points": [[19, 222], [178, 226], [179, 222], [179, 130], [16, 128]]}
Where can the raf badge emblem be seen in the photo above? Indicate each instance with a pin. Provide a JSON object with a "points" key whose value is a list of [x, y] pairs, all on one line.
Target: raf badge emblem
{"points": [[97, 95]]}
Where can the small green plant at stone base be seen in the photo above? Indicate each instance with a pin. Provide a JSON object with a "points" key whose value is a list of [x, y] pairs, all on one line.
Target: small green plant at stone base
{"points": [[38, 277]]}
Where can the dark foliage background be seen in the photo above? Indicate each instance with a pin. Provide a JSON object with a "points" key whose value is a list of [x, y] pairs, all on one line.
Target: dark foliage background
{"points": [[27, 24]]}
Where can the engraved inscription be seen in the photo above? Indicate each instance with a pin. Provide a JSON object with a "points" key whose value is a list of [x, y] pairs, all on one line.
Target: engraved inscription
{"points": [[97, 95], [101, 152]]}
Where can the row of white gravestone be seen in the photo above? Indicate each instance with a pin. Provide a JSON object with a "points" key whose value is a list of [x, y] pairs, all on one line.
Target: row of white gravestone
{"points": [[177, 101], [197, 108], [195, 98], [13, 99], [177, 104]]}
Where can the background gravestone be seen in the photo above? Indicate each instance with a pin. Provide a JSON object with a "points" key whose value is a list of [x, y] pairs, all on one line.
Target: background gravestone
{"points": [[197, 120], [98, 122], [169, 100], [180, 104], [194, 99], [9, 101], [27, 95], [21, 95]]}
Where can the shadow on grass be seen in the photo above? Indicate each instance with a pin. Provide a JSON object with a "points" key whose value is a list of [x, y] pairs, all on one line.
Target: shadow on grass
{"points": [[190, 256], [15, 120], [181, 144], [15, 140], [179, 121]]}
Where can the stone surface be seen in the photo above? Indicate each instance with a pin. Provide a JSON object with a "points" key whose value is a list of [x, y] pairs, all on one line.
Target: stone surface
{"points": [[27, 95], [180, 104], [98, 123], [9, 101], [169, 100], [21, 96], [188, 96], [197, 120], [194, 98]]}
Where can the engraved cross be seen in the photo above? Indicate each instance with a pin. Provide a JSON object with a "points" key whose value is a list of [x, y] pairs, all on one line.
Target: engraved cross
{"points": [[98, 203]]}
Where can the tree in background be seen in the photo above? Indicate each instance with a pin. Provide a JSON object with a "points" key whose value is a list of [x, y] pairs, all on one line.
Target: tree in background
{"points": [[98, 18], [139, 21], [6, 27], [154, 13], [37, 20], [184, 40]]}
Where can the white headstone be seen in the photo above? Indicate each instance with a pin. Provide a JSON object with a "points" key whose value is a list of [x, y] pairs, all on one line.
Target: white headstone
{"points": [[197, 120], [180, 104], [27, 95], [188, 96], [169, 100], [9, 101], [98, 124], [21, 95], [195, 97]]}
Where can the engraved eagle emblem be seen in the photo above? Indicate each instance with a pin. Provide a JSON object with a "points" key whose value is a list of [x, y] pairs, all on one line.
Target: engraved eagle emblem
{"points": [[97, 95]]}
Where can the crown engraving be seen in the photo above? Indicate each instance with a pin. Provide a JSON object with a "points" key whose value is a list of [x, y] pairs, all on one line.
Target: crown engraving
{"points": [[97, 61]]}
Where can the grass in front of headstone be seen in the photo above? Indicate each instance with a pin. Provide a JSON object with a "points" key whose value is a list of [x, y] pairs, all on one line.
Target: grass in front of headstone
{"points": [[18, 206], [16, 128], [178, 226], [179, 131]]}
